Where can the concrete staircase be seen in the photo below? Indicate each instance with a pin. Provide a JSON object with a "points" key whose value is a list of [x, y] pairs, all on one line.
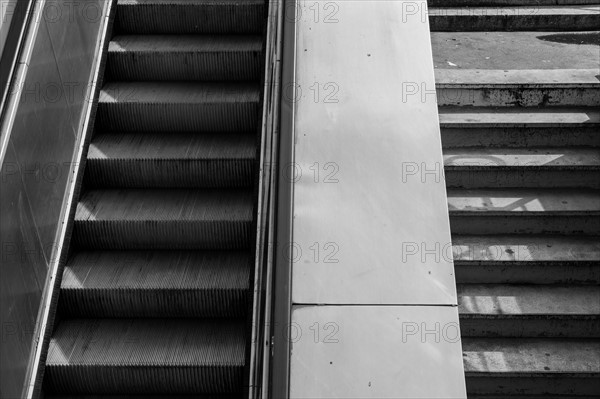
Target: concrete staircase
{"points": [[154, 298], [518, 89]]}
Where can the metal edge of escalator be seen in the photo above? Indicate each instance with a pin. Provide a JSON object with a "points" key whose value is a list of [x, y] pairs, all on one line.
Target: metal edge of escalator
{"points": [[47, 311], [260, 342], [269, 345]]}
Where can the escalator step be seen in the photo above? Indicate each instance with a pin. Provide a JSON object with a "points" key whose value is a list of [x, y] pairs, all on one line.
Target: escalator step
{"points": [[156, 284], [178, 107], [171, 160], [191, 16], [164, 219], [146, 356], [185, 57]]}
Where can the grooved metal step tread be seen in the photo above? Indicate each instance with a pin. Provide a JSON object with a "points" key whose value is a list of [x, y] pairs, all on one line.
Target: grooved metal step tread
{"points": [[156, 284], [527, 78], [474, 117], [503, 300], [179, 93], [522, 158], [521, 201], [145, 356], [185, 57], [179, 107], [173, 44], [164, 219], [171, 160], [509, 51], [525, 249], [165, 205], [191, 16], [522, 357]]}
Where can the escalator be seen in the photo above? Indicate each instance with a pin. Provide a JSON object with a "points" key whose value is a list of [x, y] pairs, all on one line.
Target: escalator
{"points": [[156, 294]]}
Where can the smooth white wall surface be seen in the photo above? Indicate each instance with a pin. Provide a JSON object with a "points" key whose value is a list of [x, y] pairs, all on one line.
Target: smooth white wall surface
{"points": [[371, 262]]}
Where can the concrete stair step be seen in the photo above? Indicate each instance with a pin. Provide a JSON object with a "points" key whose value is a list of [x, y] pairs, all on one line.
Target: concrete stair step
{"points": [[117, 284], [522, 167], [178, 107], [513, 18], [171, 160], [164, 219], [184, 57], [190, 16], [526, 259], [503, 310], [507, 3], [532, 366], [146, 356], [524, 211], [509, 51], [519, 127], [516, 88]]}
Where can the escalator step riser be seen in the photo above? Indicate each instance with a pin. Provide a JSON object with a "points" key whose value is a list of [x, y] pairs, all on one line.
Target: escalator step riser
{"points": [[162, 234], [223, 66], [86, 379], [191, 17], [180, 303], [165, 173], [162, 117]]}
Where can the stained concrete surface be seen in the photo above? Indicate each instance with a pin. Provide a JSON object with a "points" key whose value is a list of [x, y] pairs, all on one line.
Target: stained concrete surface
{"points": [[516, 50]]}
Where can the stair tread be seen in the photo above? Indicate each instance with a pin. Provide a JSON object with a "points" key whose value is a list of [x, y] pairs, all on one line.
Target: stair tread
{"points": [[514, 50], [515, 11], [157, 270], [530, 356], [173, 205], [518, 201], [487, 78], [523, 158], [510, 117], [185, 43], [179, 92], [525, 248], [502, 300], [175, 146], [147, 342]]}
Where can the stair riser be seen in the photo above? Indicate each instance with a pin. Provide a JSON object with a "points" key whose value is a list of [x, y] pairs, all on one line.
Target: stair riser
{"points": [[527, 273], [160, 117], [480, 223], [191, 18], [127, 303], [185, 173], [161, 235], [524, 176], [507, 3], [497, 20], [520, 137], [551, 384], [461, 95], [529, 326], [143, 380], [223, 66]]}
